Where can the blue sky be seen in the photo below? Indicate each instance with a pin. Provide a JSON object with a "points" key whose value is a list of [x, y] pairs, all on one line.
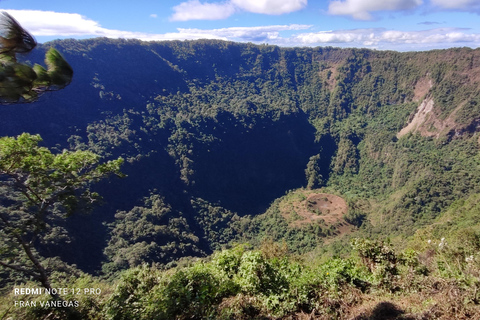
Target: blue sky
{"points": [[402, 25]]}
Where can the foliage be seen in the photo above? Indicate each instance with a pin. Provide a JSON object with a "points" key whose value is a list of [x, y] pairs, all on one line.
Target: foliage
{"points": [[152, 234], [20, 82], [272, 226], [242, 284], [215, 222], [38, 188], [379, 257], [313, 173]]}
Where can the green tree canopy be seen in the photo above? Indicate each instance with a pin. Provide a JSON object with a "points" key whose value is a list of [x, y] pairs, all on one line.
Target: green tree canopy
{"points": [[153, 233], [36, 188]]}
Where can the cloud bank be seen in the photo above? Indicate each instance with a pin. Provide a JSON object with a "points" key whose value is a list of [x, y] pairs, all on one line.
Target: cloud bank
{"points": [[363, 9], [378, 37], [47, 23], [253, 34]]}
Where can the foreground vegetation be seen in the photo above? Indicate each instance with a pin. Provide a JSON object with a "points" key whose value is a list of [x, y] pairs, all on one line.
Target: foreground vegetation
{"points": [[438, 280]]}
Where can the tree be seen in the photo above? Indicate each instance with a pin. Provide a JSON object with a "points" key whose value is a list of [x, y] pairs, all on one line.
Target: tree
{"points": [[20, 82], [313, 173], [153, 234], [36, 188]]}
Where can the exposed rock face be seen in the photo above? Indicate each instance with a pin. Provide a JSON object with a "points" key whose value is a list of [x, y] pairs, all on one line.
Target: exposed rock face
{"points": [[428, 123], [422, 115]]}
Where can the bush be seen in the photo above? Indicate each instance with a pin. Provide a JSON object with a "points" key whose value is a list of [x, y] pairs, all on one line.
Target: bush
{"points": [[132, 297]]}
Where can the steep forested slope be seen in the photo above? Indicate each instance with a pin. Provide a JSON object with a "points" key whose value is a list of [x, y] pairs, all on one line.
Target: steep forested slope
{"points": [[214, 132]]}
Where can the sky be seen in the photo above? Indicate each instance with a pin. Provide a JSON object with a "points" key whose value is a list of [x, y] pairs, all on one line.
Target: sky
{"points": [[402, 25]]}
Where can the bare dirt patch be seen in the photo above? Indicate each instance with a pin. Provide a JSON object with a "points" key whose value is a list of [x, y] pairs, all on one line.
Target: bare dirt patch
{"points": [[304, 207], [421, 88], [328, 207], [329, 74]]}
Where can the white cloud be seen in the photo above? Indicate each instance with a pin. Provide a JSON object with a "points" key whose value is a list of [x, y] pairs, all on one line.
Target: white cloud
{"points": [[432, 36], [361, 9], [254, 34], [153, 15], [335, 37], [195, 10], [274, 7], [58, 24], [381, 38], [464, 5], [49, 23]]}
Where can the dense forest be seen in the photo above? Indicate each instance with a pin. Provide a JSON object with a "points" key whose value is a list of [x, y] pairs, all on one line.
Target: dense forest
{"points": [[254, 181]]}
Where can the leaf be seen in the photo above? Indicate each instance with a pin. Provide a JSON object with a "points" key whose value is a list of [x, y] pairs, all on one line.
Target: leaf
{"points": [[59, 71]]}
